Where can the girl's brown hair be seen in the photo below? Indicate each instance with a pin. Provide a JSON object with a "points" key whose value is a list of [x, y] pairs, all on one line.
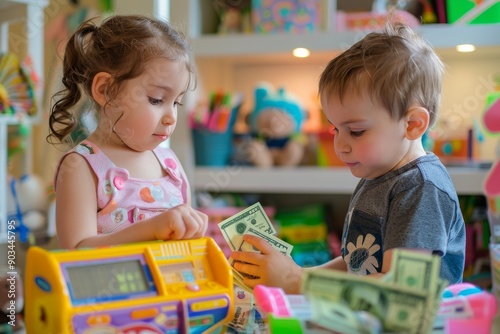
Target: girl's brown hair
{"points": [[121, 46]]}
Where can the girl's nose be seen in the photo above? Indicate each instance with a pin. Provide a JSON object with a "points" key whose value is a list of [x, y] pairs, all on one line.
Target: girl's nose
{"points": [[169, 118]]}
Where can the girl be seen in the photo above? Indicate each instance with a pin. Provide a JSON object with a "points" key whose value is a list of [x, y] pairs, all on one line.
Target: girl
{"points": [[120, 185]]}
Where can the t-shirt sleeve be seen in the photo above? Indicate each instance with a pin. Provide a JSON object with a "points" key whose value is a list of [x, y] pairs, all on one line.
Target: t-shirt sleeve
{"points": [[420, 217]]}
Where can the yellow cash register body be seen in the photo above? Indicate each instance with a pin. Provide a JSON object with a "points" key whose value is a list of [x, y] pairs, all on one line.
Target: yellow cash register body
{"points": [[181, 286]]}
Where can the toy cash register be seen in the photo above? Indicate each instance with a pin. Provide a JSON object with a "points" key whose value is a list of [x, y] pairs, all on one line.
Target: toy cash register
{"points": [[181, 286]]}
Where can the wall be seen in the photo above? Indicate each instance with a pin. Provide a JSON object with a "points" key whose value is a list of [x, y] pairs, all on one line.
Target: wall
{"points": [[468, 79]]}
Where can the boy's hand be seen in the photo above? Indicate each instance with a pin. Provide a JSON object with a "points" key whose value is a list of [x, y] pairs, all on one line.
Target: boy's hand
{"points": [[181, 222], [270, 266]]}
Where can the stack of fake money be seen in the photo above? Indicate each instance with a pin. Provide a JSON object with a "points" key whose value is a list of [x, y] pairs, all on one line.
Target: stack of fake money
{"points": [[406, 300], [252, 220], [247, 319]]}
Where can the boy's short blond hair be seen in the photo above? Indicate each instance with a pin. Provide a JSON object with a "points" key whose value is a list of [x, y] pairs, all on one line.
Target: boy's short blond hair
{"points": [[396, 66]]}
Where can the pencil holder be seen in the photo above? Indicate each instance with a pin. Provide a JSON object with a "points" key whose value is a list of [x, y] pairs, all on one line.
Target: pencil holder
{"points": [[212, 148]]}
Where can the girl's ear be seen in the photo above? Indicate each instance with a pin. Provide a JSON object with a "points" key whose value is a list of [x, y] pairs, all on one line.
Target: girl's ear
{"points": [[417, 122], [100, 85]]}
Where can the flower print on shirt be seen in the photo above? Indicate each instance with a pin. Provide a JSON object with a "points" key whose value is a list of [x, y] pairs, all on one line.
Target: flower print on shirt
{"points": [[359, 258]]}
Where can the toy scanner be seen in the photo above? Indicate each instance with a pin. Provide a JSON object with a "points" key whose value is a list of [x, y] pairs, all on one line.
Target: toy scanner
{"points": [[181, 286]]}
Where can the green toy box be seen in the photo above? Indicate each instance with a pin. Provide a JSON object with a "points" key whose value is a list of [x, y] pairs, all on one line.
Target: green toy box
{"points": [[473, 12]]}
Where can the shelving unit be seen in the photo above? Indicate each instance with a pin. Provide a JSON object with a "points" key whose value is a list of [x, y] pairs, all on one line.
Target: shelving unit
{"points": [[30, 13], [439, 35], [309, 180], [220, 59]]}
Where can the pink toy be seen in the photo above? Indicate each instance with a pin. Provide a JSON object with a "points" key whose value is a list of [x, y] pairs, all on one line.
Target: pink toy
{"points": [[272, 300], [370, 20], [465, 309], [491, 120]]}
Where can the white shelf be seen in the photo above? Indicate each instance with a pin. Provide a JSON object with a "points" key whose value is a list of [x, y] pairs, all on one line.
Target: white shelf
{"points": [[309, 180], [441, 36]]}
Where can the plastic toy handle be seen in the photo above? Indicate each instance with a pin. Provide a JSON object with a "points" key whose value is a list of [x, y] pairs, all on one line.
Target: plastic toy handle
{"points": [[272, 300], [482, 304]]}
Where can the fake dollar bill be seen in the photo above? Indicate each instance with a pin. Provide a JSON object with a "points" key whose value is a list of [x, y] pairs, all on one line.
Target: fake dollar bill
{"points": [[281, 246], [415, 269], [243, 320], [408, 308], [238, 281], [234, 227]]}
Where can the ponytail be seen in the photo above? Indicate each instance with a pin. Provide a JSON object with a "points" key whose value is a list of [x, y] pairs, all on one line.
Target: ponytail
{"points": [[76, 76]]}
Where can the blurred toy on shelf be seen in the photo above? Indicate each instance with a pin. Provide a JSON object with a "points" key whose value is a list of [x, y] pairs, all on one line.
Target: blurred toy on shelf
{"points": [[17, 135], [325, 154], [291, 16], [305, 228], [477, 262], [491, 188], [372, 20], [460, 149], [17, 88], [234, 16], [473, 12], [28, 205], [275, 124], [491, 119]]}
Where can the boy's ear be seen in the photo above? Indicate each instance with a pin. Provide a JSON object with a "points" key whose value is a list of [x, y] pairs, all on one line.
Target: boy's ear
{"points": [[100, 85], [417, 122]]}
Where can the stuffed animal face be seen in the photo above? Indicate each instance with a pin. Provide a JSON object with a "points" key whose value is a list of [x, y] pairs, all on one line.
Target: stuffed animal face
{"points": [[275, 123], [276, 114]]}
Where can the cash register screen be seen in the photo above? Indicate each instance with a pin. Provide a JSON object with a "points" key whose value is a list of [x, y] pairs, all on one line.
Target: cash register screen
{"points": [[107, 281]]}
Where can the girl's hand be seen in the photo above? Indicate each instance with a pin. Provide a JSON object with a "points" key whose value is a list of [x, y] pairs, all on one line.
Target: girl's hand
{"points": [[180, 222], [270, 267]]}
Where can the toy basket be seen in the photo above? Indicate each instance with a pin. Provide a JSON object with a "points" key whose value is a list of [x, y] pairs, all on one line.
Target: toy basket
{"points": [[212, 148]]}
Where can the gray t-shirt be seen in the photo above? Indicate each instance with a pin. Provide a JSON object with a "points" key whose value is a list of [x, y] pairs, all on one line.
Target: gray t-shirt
{"points": [[415, 206]]}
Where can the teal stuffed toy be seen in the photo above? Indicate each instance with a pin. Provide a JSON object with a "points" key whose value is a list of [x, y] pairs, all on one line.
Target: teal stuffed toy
{"points": [[276, 124]]}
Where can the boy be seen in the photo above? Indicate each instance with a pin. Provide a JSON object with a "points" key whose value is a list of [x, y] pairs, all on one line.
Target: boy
{"points": [[381, 95]]}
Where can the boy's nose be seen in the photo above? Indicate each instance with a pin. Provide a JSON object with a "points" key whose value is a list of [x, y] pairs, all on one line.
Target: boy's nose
{"points": [[340, 144]]}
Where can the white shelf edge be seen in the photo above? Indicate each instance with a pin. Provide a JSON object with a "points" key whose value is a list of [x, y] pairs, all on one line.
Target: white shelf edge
{"points": [[9, 119], [309, 180], [441, 36]]}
